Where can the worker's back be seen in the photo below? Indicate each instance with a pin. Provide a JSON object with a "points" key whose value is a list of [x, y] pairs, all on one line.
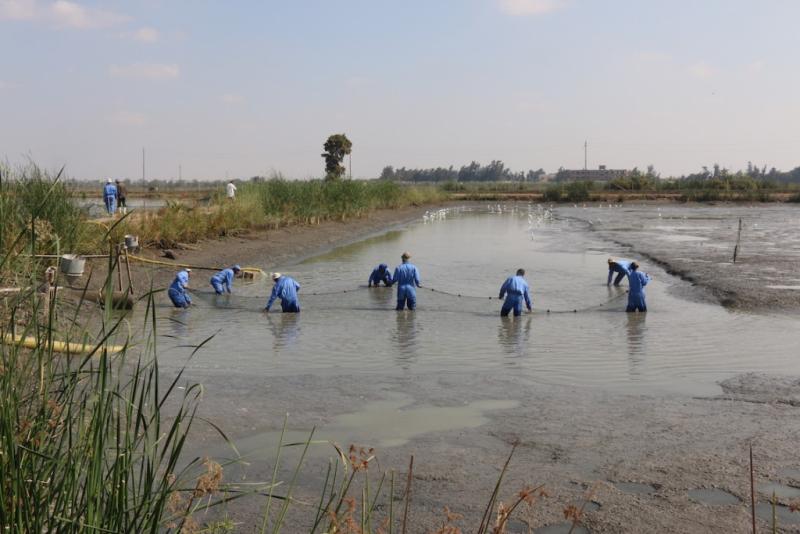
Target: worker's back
{"points": [[406, 274], [516, 285], [637, 281]]}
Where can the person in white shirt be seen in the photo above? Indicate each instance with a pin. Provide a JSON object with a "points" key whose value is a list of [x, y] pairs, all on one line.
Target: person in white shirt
{"points": [[231, 190]]}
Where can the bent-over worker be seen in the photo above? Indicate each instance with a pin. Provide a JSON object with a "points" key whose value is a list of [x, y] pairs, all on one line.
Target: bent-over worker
{"points": [[515, 289], [285, 288], [222, 282], [177, 290], [406, 276], [620, 267], [380, 274]]}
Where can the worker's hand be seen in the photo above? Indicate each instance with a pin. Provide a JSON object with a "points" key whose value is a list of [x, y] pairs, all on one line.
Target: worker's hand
{"points": [[530, 310], [266, 310]]}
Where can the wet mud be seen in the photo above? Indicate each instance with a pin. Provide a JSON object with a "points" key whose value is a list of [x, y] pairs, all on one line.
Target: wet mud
{"points": [[697, 243]]}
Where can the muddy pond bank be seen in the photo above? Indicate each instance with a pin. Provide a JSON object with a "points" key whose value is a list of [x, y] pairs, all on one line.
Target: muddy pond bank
{"points": [[629, 408], [265, 248], [696, 242]]}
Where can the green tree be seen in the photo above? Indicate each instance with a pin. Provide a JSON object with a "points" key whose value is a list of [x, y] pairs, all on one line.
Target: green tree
{"points": [[336, 148]]}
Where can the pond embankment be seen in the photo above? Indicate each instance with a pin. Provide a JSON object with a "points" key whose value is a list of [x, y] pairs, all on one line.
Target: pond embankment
{"points": [[279, 246]]}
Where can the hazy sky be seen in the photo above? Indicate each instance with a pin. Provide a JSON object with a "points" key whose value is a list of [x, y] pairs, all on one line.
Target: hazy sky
{"points": [[248, 87]]}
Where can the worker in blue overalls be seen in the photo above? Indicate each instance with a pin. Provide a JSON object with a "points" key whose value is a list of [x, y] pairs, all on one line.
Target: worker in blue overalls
{"points": [[222, 282], [515, 289]]}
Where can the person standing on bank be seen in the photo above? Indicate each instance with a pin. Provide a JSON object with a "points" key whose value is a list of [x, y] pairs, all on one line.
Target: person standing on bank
{"points": [[406, 276], [110, 196], [122, 193], [230, 191]]}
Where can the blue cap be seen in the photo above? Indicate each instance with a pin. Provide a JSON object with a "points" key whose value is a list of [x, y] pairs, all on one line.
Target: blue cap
{"points": [[236, 267]]}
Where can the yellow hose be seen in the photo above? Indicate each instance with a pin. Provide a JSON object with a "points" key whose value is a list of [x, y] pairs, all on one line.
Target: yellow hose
{"points": [[187, 266], [94, 221], [58, 346]]}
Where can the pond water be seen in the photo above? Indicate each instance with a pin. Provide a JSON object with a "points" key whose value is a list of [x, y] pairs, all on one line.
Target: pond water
{"points": [[680, 347]]}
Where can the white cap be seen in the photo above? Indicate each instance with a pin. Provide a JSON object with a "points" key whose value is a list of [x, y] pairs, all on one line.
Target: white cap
{"points": [[188, 270], [275, 276], [108, 181]]}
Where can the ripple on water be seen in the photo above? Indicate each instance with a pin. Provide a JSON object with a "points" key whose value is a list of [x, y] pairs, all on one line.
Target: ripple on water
{"points": [[790, 472], [713, 496], [783, 515], [781, 491]]}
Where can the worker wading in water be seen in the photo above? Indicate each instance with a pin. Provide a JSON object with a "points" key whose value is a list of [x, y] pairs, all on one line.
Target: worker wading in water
{"points": [[222, 282], [177, 290], [285, 288], [620, 267], [380, 274], [515, 289], [637, 281], [406, 276]]}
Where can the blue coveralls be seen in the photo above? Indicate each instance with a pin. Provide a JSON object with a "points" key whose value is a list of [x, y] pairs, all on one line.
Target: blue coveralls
{"points": [[406, 276], [222, 281], [517, 288], [637, 281], [110, 198], [380, 274], [621, 267], [177, 291], [285, 288]]}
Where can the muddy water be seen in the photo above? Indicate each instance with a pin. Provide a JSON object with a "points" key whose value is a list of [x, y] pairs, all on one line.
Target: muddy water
{"points": [[681, 347]]}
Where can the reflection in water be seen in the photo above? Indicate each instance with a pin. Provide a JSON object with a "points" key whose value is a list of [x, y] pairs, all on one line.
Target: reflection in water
{"points": [[285, 329], [405, 337], [635, 328], [382, 297], [221, 301], [513, 335], [178, 322]]}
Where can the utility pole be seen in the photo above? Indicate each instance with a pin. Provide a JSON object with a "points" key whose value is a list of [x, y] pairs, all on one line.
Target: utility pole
{"points": [[144, 183], [585, 155]]}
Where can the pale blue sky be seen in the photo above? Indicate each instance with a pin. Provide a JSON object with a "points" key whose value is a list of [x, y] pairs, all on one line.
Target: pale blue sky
{"points": [[248, 87]]}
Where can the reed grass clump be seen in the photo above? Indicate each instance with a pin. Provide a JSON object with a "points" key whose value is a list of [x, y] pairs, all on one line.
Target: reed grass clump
{"points": [[313, 201], [34, 204], [84, 444], [271, 204]]}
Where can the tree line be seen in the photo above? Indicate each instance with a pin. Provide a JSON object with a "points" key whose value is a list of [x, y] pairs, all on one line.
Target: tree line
{"points": [[496, 171]]}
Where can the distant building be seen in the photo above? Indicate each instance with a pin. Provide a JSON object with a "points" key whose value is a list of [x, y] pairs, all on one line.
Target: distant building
{"points": [[601, 174]]}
